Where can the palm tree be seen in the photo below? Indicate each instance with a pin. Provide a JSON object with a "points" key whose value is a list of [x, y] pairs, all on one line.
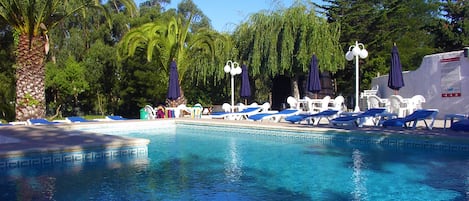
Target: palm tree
{"points": [[171, 38], [130, 6], [31, 20]]}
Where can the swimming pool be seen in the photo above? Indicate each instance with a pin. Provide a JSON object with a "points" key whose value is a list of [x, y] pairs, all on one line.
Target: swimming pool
{"points": [[196, 162]]}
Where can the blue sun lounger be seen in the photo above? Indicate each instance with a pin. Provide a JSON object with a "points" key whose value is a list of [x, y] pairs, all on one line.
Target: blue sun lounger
{"points": [[358, 119], [275, 116], [41, 121], [314, 117], [236, 115], [77, 119], [417, 115], [461, 125], [115, 118]]}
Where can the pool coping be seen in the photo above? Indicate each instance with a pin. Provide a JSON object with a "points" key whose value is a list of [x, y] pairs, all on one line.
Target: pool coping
{"points": [[73, 139], [421, 134], [396, 138], [48, 139], [67, 142]]}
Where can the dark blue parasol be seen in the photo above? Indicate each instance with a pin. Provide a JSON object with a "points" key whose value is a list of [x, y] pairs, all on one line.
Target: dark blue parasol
{"points": [[395, 79], [314, 83], [173, 88], [245, 86]]}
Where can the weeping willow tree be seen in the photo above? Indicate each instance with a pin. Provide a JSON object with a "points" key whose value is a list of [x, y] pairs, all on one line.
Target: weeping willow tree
{"points": [[218, 48], [282, 42]]}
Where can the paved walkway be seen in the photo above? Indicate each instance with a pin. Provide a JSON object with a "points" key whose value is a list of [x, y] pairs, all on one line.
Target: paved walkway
{"points": [[19, 140]]}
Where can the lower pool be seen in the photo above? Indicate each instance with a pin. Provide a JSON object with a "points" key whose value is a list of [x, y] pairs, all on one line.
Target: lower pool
{"points": [[196, 163]]}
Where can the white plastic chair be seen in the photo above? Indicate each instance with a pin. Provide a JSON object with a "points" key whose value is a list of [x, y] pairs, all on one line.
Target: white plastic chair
{"points": [[292, 102], [398, 105], [196, 111], [226, 107], [416, 103], [374, 101], [323, 105], [265, 107], [180, 110], [150, 111], [338, 104], [241, 107], [305, 106]]}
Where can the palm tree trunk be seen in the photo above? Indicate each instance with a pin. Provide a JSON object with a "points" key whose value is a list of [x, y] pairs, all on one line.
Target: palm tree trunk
{"points": [[30, 78], [179, 101]]}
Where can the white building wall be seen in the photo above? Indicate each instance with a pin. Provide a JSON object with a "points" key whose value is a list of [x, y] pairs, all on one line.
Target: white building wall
{"points": [[426, 81]]}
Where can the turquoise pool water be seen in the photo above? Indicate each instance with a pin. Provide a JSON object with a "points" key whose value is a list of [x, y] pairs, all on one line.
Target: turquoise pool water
{"points": [[197, 163]]}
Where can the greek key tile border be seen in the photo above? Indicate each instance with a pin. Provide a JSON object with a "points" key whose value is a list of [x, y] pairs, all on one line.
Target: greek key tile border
{"points": [[45, 159], [397, 141]]}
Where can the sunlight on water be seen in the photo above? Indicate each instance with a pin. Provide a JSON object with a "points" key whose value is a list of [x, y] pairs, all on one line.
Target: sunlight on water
{"points": [[233, 169], [359, 180]]}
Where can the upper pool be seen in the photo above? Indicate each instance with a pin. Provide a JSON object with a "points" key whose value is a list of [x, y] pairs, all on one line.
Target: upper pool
{"points": [[223, 162]]}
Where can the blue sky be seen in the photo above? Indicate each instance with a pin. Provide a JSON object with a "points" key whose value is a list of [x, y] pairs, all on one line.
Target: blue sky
{"points": [[225, 15]]}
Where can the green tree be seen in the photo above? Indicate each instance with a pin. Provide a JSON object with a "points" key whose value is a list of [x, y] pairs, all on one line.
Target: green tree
{"points": [[155, 3], [7, 81], [31, 20], [452, 30], [379, 25], [66, 82], [173, 36], [126, 6], [89, 39], [103, 74], [282, 42]]}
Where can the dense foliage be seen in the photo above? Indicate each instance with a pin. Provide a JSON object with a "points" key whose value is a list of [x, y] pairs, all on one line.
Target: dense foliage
{"points": [[31, 21], [86, 75], [379, 25]]}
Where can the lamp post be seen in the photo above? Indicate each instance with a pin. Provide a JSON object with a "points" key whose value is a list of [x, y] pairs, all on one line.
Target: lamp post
{"points": [[357, 50], [234, 69]]}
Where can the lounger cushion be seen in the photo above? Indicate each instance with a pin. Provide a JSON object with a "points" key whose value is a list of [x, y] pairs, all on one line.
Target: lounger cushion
{"points": [[219, 113], [346, 118], [297, 118], [399, 122], [418, 115], [41, 122], [116, 118], [78, 119], [301, 117], [237, 115], [462, 125], [260, 116]]}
